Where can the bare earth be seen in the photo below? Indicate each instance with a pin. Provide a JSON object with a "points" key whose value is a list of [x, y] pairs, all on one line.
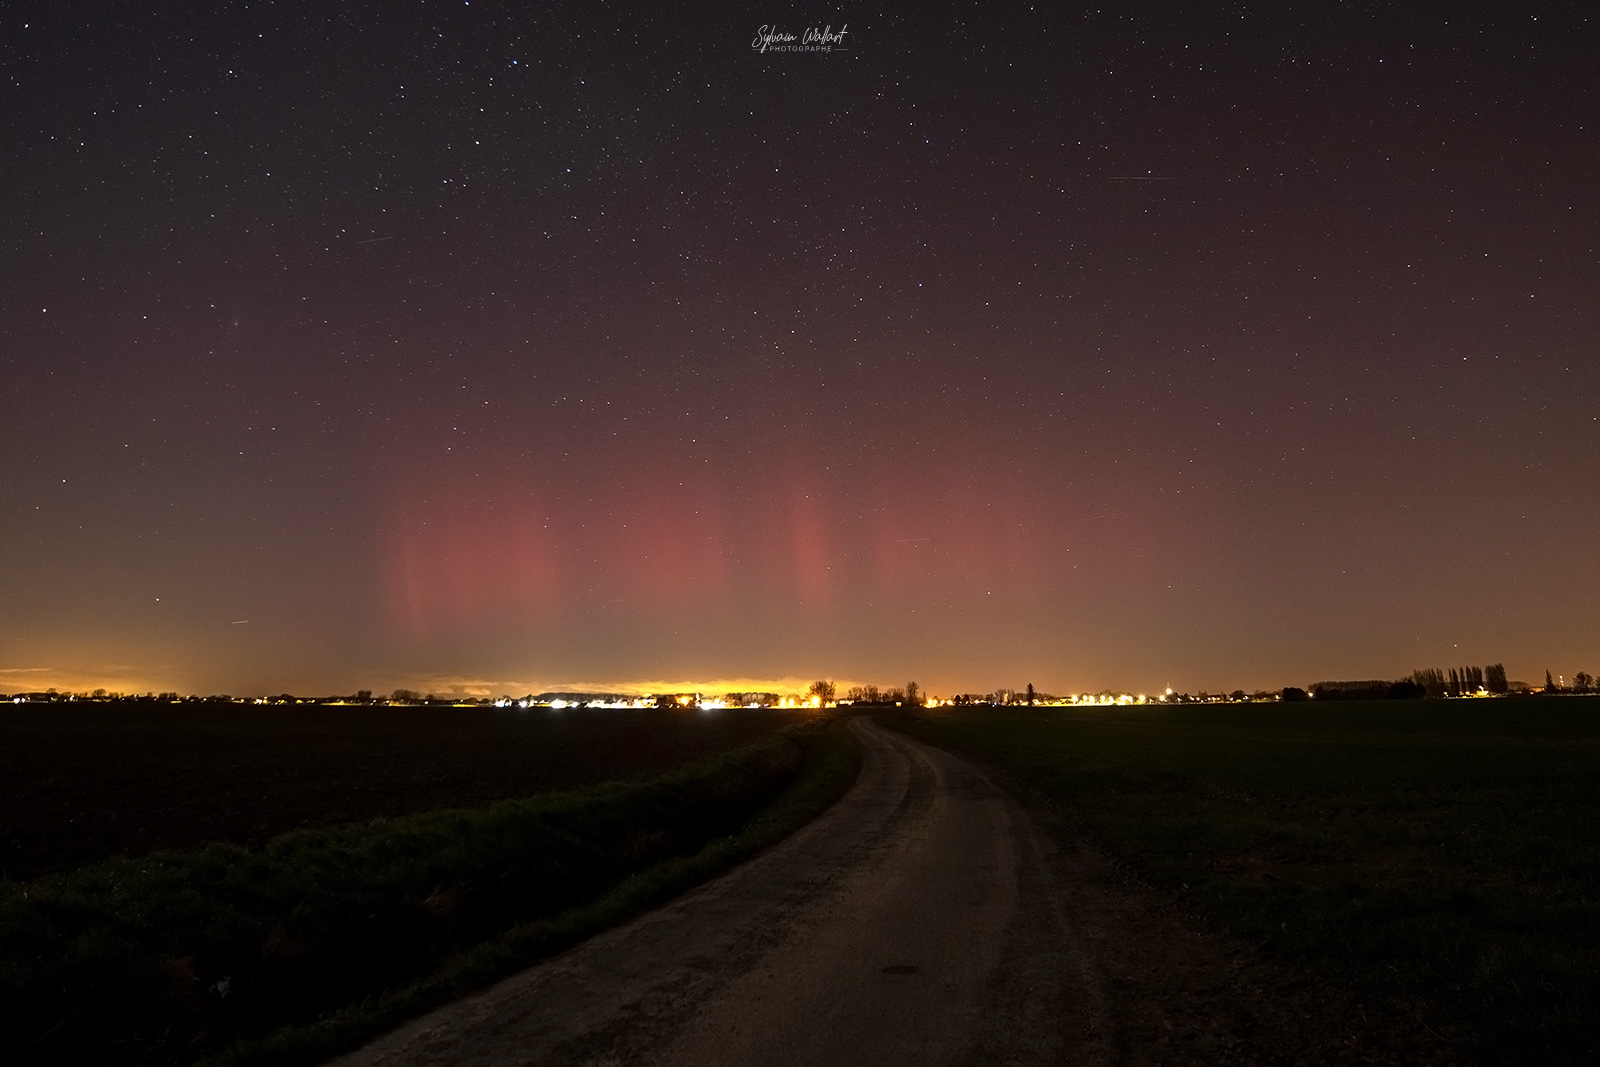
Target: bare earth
{"points": [[925, 919]]}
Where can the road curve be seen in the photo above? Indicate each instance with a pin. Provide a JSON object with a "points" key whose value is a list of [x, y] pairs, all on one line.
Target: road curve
{"points": [[874, 935]]}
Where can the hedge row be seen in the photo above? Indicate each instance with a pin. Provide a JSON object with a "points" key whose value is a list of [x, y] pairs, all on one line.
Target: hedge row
{"points": [[174, 956]]}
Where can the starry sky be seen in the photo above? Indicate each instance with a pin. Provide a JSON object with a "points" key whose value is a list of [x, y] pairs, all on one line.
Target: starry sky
{"points": [[496, 347]]}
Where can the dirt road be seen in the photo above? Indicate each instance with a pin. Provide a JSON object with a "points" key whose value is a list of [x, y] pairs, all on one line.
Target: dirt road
{"points": [[924, 919]]}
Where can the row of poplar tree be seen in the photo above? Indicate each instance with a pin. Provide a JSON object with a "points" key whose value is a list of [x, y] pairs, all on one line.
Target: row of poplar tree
{"points": [[1460, 681]]}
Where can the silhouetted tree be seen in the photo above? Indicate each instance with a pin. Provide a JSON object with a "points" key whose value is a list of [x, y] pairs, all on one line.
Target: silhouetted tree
{"points": [[1030, 694], [1495, 678], [1292, 692], [1431, 679], [1549, 682], [1582, 682], [913, 693], [823, 690]]}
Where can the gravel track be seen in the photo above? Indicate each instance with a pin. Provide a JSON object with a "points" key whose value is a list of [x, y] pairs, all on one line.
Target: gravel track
{"points": [[927, 919]]}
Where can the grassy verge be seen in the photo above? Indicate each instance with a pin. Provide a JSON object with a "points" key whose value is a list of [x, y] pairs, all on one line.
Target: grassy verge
{"points": [[322, 938], [1442, 850]]}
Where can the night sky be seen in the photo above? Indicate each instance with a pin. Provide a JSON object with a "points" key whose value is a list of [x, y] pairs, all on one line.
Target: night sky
{"points": [[500, 347]]}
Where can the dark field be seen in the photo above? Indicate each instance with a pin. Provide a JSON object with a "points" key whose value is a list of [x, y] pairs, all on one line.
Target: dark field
{"points": [[1444, 854], [303, 947], [80, 783]]}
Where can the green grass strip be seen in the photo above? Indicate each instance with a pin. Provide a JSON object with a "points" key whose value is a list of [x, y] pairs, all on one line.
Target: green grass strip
{"points": [[324, 938]]}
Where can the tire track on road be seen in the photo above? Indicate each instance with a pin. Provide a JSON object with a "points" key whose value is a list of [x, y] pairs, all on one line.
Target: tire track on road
{"points": [[875, 934]]}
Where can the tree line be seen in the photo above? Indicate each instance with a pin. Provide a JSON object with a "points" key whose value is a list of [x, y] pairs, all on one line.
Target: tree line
{"points": [[1582, 682], [827, 692], [1462, 681], [1425, 682]]}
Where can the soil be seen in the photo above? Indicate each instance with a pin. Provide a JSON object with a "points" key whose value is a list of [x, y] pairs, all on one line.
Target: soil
{"points": [[1162, 985], [928, 918], [83, 782]]}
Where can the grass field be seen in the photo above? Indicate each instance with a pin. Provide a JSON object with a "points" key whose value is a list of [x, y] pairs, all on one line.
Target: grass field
{"points": [[84, 782], [1441, 850], [286, 953]]}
